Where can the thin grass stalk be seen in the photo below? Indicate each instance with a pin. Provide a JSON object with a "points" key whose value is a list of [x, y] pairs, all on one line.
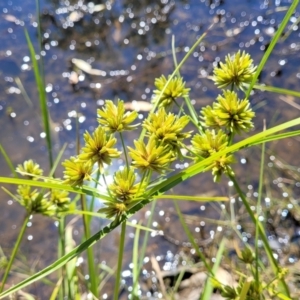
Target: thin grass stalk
{"points": [[189, 53], [120, 260], [274, 41], [60, 253], [245, 289], [208, 288], [135, 261], [23, 91], [258, 210], [92, 204], [193, 114], [90, 253], [262, 234], [276, 90], [42, 97], [8, 161], [177, 283], [15, 250], [86, 220], [146, 237], [124, 149], [191, 239]]}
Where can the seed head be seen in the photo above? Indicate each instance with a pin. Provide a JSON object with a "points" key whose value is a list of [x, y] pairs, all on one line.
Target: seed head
{"points": [[175, 89], [237, 71]]}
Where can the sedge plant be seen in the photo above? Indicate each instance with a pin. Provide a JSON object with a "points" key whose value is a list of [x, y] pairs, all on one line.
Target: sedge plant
{"points": [[147, 172]]}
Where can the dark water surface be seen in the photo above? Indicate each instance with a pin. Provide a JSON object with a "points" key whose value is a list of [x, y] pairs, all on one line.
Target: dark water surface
{"points": [[130, 42]]}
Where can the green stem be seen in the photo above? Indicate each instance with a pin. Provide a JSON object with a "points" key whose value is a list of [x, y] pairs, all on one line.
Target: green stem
{"points": [[120, 259], [258, 207], [146, 237], [15, 250], [274, 41], [8, 161], [125, 152], [176, 70], [262, 234], [108, 190], [191, 239], [61, 253], [90, 254], [135, 261]]}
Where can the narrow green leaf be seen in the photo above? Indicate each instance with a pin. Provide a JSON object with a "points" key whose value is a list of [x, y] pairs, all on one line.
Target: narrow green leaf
{"points": [[8, 161], [63, 260], [42, 96], [274, 41]]}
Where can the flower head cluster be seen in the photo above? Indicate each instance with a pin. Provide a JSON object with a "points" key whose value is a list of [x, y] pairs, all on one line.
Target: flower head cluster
{"points": [[76, 171], [125, 192], [35, 202], [167, 128], [124, 187], [152, 156], [99, 148], [114, 119], [209, 143], [229, 112], [61, 200], [30, 169], [166, 94], [237, 71]]}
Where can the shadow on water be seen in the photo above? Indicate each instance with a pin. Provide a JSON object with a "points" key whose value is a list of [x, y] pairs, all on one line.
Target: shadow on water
{"points": [[128, 43]]}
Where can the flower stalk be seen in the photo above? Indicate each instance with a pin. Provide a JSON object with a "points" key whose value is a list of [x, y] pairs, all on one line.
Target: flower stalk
{"points": [[15, 250]]}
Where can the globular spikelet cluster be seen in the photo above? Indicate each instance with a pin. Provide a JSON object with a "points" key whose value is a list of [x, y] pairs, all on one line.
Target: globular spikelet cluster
{"points": [[228, 111], [207, 144], [125, 192], [161, 146], [237, 71], [39, 201], [169, 90], [227, 116], [99, 151], [167, 129], [99, 148], [164, 136]]}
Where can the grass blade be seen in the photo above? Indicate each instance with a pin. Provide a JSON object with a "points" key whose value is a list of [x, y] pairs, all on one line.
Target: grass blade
{"points": [[42, 97], [8, 161], [274, 41]]}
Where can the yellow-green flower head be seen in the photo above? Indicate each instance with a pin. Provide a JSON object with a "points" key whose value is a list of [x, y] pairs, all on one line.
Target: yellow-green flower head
{"points": [[25, 195], [61, 200], [237, 71], [35, 202], [210, 118], [151, 156], [165, 96], [208, 143], [99, 148], [167, 128], [113, 209], [29, 166], [222, 165], [124, 187], [113, 118], [233, 113], [230, 112], [76, 171]]}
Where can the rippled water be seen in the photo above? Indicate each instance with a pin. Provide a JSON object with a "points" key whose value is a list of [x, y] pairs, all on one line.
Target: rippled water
{"points": [[128, 43]]}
